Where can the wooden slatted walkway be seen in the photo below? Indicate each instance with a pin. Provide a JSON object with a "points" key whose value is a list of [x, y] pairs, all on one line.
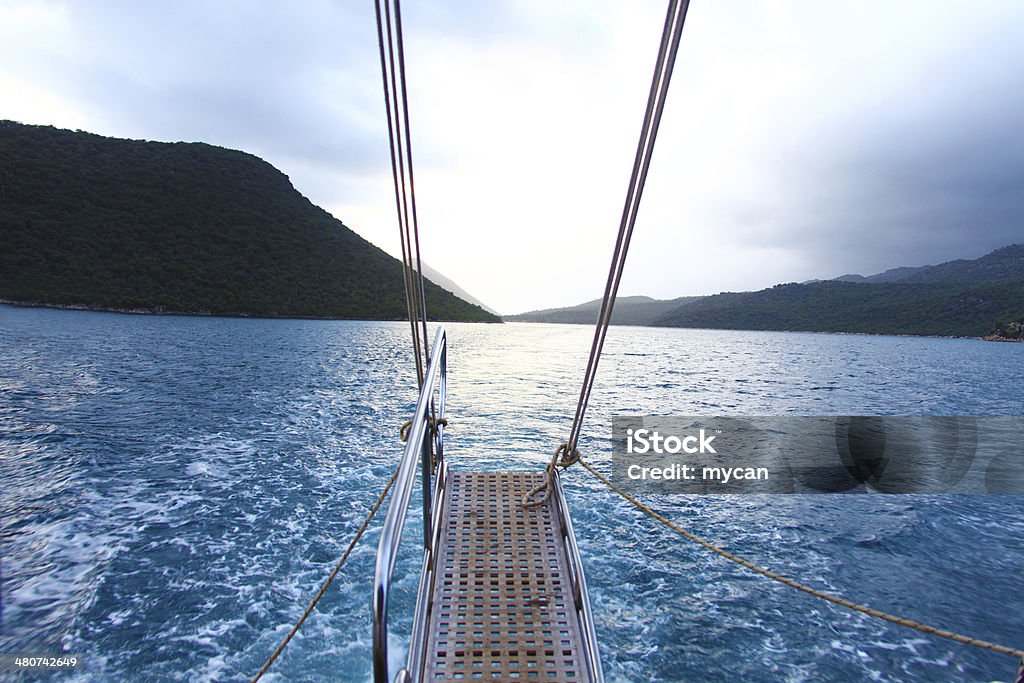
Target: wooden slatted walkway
{"points": [[502, 600]]}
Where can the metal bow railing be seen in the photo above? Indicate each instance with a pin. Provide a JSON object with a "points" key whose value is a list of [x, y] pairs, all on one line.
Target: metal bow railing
{"points": [[428, 420]]}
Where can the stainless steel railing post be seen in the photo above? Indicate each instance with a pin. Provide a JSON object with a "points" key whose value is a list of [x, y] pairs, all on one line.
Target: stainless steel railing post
{"points": [[416, 445]]}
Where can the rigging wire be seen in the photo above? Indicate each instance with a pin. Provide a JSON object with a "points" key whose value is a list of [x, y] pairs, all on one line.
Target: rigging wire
{"points": [[567, 453], [389, 31], [669, 47], [412, 189]]}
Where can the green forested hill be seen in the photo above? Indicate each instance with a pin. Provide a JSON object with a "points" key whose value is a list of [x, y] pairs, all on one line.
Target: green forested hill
{"points": [[970, 298], [629, 310], [186, 227], [934, 308]]}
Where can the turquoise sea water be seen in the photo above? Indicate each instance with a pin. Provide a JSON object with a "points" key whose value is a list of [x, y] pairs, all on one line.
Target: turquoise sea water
{"points": [[173, 490]]}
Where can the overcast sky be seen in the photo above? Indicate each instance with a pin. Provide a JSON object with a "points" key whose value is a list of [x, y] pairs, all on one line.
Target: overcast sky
{"points": [[801, 139]]}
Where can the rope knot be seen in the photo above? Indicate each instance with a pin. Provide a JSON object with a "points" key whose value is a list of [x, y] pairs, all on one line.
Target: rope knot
{"points": [[403, 432], [564, 459]]}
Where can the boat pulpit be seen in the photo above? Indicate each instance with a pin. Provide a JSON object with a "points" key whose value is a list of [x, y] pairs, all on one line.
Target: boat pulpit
{"points": [[502, 595]]}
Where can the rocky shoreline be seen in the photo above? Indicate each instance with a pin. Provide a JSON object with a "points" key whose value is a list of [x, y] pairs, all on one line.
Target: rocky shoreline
{"points": [[1011, 332], [160, 310]]}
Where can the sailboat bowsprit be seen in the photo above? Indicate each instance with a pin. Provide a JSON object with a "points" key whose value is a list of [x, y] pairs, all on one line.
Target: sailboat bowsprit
{"points": [[502, 593]]}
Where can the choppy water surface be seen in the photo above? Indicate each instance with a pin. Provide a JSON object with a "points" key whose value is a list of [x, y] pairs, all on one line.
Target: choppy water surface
{"points": [[172, 490]]}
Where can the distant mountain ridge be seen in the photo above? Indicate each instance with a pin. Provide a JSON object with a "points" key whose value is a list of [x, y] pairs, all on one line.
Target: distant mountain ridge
{"points": [[956, 298], [965, 297], [891, 275], [99, 222], [1005, 262], [629, 310]]}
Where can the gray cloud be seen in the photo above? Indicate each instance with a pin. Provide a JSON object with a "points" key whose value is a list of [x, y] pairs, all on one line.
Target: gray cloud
{"points": [[927, 173], [260, 77]]}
